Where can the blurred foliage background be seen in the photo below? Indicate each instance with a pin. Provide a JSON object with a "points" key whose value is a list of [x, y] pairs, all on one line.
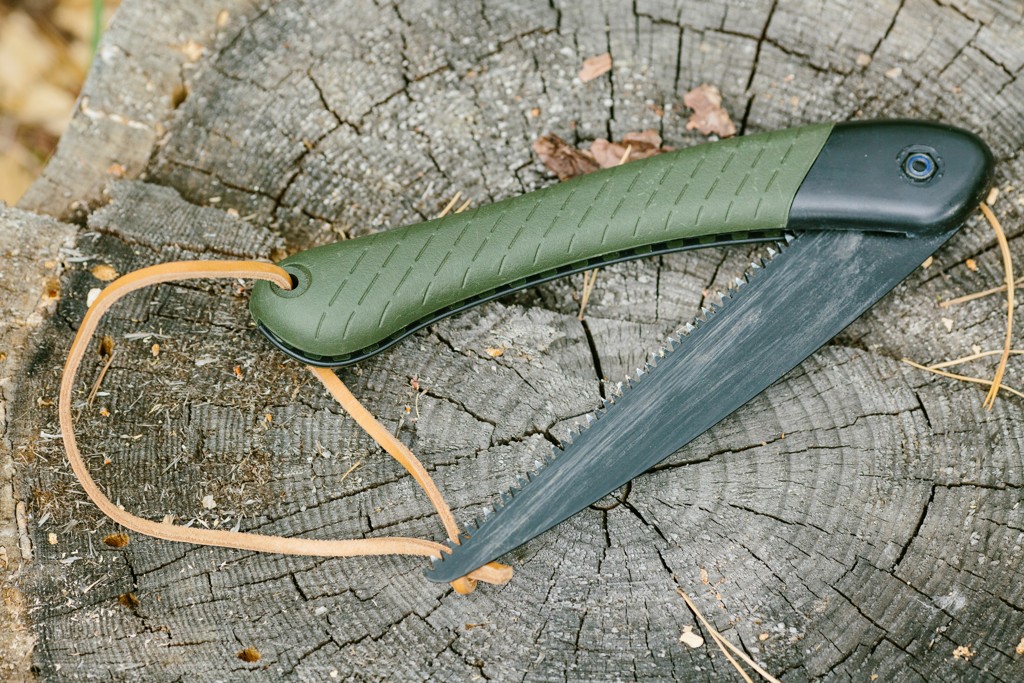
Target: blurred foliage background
{"points": [[46, 47]]}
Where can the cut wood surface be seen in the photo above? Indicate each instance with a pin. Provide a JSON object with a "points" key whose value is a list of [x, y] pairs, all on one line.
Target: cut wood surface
{"points": [[860, 518]]}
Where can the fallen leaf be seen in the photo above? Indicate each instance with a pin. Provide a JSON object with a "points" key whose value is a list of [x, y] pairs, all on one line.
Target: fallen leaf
{"points": [[103, 272], [116, 540], [563, 159], [155, 350], [595, 66], [964, 652], [104, 412], [709, 117], [639, 145], [689, 638]]}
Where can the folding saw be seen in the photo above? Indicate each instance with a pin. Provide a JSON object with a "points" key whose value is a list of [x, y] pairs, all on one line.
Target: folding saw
{"points": [[851, 209]]}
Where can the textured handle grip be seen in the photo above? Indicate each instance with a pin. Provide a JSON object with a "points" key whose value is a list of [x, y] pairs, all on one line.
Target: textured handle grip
{"points": [[352, 296]]}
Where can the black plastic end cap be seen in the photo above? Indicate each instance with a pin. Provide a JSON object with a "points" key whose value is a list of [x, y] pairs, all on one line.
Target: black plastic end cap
{"points": [[913, 177]]}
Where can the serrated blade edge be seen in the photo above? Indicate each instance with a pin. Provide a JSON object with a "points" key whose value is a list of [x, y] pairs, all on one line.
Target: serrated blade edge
{"points": [[787, 308]]}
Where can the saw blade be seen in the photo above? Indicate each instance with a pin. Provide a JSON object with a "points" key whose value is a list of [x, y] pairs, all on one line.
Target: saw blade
{"points": [[785, 309]]}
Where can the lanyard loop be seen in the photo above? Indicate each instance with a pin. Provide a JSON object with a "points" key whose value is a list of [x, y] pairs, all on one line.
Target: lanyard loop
{"points": [[187, 270]]}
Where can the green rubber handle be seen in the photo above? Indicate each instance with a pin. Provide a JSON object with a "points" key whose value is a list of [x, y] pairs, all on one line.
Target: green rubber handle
{"points": [[357, 296]]}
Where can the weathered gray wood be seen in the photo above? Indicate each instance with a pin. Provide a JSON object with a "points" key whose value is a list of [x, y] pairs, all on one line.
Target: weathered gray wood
{"points": [[29, 290], [858, 518]]}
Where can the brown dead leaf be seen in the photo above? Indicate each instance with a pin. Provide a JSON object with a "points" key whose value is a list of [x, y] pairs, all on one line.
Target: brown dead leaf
{"points": [[563, 159], [595, 66], [709, 117], [640, 146], [116, 540], [567, 161]]}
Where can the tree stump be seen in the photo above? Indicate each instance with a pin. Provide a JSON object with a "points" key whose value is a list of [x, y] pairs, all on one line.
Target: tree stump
{"points": [[859, 518]]}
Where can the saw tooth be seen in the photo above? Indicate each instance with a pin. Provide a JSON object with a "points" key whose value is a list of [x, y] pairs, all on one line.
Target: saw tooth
{"points": [[617, 390]]}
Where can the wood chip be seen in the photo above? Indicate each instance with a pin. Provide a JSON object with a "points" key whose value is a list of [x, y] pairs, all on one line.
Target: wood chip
{"points": [[116, 540], [993, 195], [689, 638], [1020, 647], [709, 117], [495, 352], [595, 66], [52, 538], [972, 265], [129, 600], [928, 262], [249, 654]]}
